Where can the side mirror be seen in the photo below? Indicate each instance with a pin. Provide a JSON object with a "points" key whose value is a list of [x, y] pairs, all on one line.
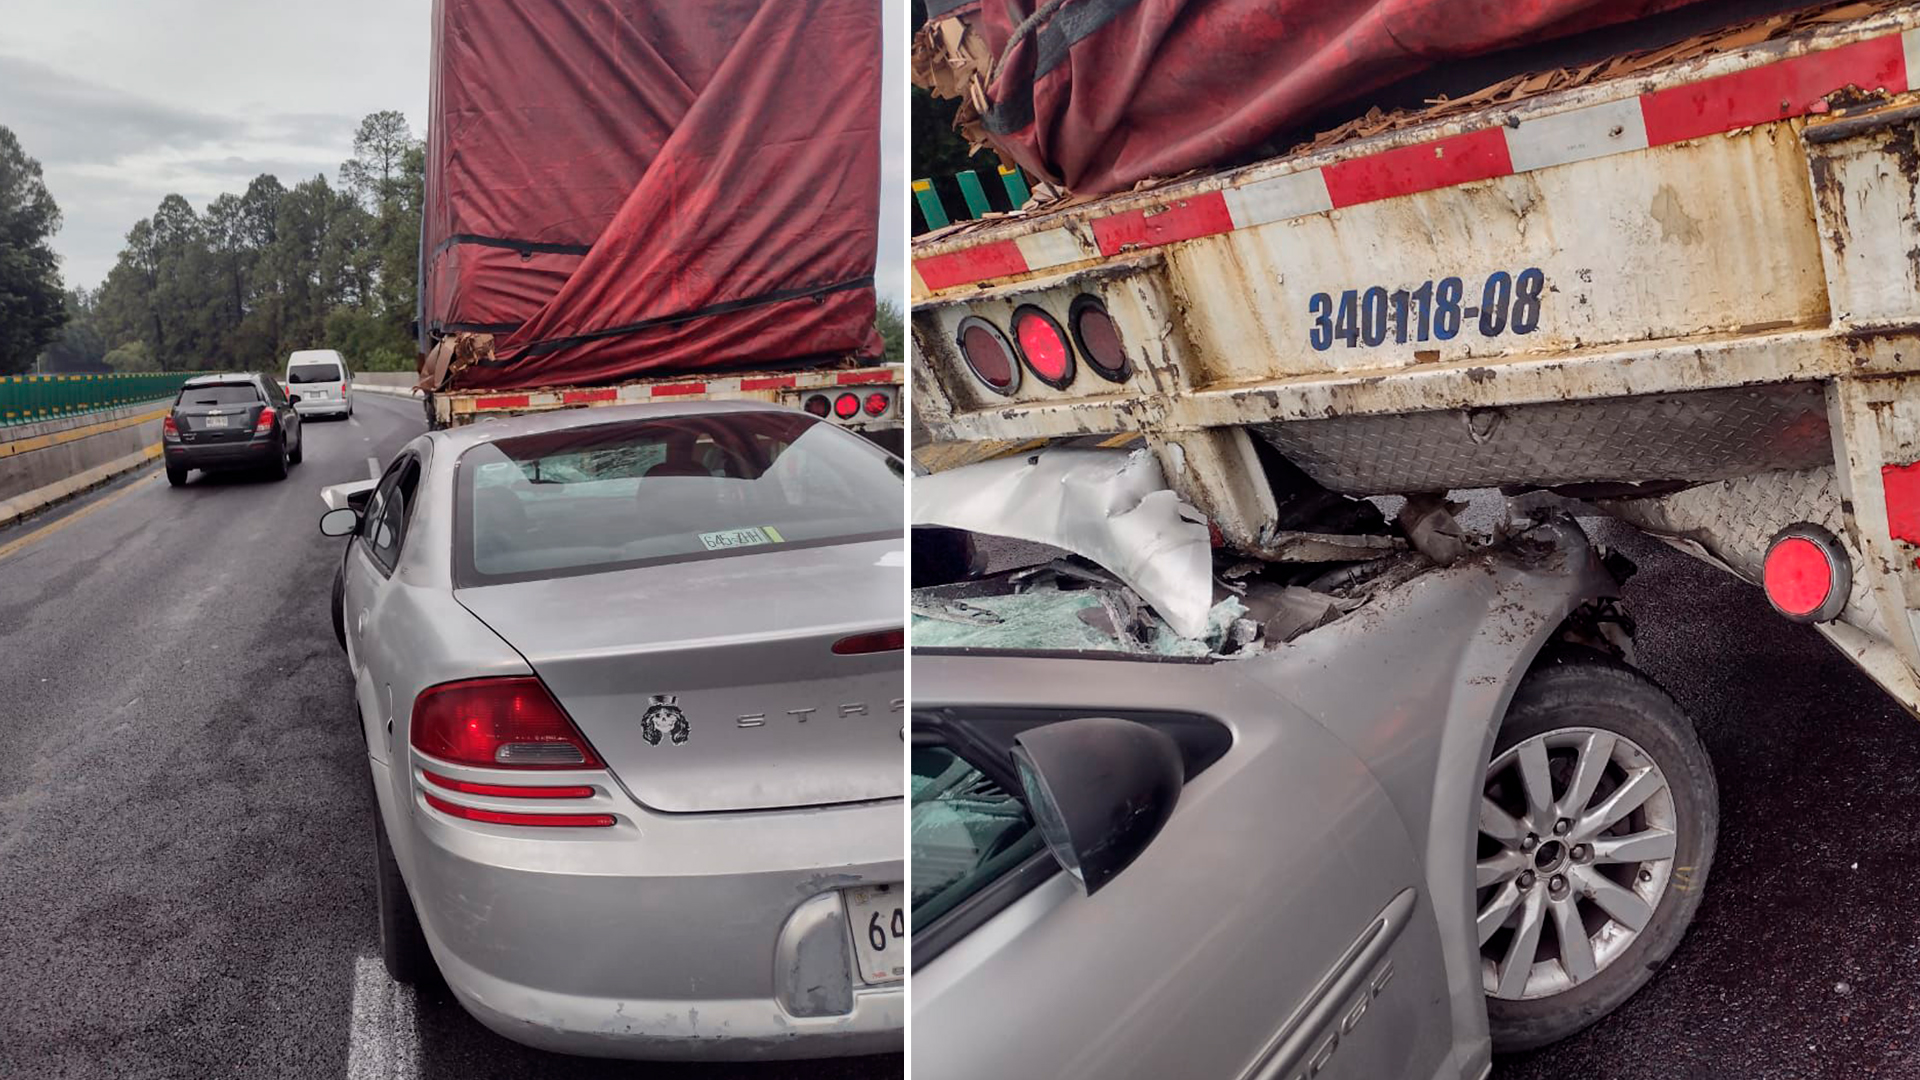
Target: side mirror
{"points": [[342, 522], [1100, 788], [293, 399]]}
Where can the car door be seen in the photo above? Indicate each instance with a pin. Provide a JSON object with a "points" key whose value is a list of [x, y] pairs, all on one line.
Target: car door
{"points": [[372, 556], [1276, 928]]}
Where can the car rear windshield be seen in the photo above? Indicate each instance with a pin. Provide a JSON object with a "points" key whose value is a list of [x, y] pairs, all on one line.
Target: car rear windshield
{"points": [[222, 394], [312, 373], [620, 495]]}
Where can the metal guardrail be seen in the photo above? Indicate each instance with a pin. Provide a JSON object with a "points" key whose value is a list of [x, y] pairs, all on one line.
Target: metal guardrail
{"points": [[27, 399], [927, 198]]}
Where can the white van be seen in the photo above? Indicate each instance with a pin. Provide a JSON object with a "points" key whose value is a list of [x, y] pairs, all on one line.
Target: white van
{"points": [[321, 379]]}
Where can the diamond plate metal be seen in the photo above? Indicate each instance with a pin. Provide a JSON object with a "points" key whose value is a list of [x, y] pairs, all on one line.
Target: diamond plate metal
{"points": [[1735, 519], [1701, 436]]}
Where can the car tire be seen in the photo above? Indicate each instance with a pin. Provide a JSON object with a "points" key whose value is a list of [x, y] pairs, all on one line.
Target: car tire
{"points": [[278, 467], [403, 945], [177, 476], [1572, 695], [299, 448], [340, 605]]}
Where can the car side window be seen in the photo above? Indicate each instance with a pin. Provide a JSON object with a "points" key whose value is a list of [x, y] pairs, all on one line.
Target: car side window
{"points": [[966, 832], [275, 397], [383, 524]]}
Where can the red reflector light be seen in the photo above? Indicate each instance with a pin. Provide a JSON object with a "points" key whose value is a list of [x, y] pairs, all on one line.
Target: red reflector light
{"points": [[1807, 574], [988, 355], [846, 406], [818, 405], [1043, 346], [1099, 340], [170, 426], [877, 404], [510, 723], [502, 817], [509, 791], [265, 423], [882, 641]]}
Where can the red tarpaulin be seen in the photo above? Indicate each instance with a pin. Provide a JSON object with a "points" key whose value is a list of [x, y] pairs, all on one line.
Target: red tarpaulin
{"points": [[619, 188], [1096, 95]]}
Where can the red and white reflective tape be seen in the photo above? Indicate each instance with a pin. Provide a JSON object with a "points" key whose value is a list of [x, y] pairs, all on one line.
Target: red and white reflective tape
{"points": [[765, 387], [1786, 88]]}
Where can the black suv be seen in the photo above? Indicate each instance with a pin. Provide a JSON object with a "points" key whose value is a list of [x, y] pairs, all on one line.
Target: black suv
{"points": [[229, 422]]}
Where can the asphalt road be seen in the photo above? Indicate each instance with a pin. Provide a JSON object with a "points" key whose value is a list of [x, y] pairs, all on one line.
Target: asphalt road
{"points": [[1804, 960], [185, 820]]}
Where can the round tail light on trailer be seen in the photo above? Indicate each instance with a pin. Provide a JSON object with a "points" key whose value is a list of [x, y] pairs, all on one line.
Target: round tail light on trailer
{"points": [[1099, 339], [1807, 574], [846, 406], [818, 405], [1043, 345], [877, 403], [988, 355]]}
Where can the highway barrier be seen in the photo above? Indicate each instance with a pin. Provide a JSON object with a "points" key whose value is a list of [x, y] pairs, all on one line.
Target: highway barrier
{"points": [[29, 399]]}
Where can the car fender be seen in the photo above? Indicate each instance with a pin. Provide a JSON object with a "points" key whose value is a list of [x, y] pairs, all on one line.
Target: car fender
{"points": [[1451, 648]]}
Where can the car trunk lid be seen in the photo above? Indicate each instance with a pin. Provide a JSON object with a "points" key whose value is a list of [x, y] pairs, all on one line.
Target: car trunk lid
{"points": [[712, 684], [215, 414]]}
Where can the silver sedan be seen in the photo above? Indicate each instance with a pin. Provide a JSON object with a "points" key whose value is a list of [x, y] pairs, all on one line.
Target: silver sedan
{"points": [[631, 684]]}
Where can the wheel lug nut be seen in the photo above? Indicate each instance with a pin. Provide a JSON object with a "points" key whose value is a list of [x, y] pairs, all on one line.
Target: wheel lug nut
{"points": [[1561, 827], [1581, 853], [1526, 879], [1529, 843]]}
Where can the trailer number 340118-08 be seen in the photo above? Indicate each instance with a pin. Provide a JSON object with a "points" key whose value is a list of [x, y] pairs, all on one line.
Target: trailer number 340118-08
{"points": [[1432, 312]]}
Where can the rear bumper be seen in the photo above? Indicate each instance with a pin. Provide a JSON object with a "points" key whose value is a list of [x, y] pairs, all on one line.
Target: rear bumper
{"points": [[325, 407], [702, 936], [258, 450]]}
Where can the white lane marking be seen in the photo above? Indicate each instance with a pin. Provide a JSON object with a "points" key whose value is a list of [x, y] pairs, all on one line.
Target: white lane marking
{"points": [[351, 422], [384, 1041], [373, 468]]}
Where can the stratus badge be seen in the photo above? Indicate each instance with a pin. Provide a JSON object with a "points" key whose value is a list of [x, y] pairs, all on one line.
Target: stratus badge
{"points": [[663, 719]]}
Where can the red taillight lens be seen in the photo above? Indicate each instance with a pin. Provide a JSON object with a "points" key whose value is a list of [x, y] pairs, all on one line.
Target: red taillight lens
{"points": [[169, 426], [818, 405], [846, 406], [265, 423], [987, 353], [1807, 574], [883, 641], [505, 723], [877, 404], [508, 791], [502, 817], [343, 389], [1044, 346], [1099, 339]]}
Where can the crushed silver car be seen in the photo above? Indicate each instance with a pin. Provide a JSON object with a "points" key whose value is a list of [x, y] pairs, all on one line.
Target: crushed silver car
{"points": [[1402, 801], [631, 682]]}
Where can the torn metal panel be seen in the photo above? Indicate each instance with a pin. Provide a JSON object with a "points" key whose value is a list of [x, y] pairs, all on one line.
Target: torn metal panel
{"points": [[1110, 506]]}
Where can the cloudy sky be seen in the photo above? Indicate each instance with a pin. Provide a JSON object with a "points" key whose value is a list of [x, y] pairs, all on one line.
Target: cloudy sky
{"points": [[126, 101]]}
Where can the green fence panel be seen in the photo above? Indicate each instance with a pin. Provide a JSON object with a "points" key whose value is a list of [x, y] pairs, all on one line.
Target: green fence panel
{"points": [[930, 207], [970, 190], [28, 399]]}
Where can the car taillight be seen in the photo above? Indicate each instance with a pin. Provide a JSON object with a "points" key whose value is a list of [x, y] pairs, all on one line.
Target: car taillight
{"points": [[265, 423], [877, 403], [988, 355], [881, 641], [502, 723], [818, 405], [1807, 574], [343, 389], [1099, 340], [846, 406], [1043, 346], [169, 426], [507, 817], [509, 791]]}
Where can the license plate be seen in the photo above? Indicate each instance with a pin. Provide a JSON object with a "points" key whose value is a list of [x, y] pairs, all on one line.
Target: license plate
{"points": [[214, 422], [877, 917]]}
